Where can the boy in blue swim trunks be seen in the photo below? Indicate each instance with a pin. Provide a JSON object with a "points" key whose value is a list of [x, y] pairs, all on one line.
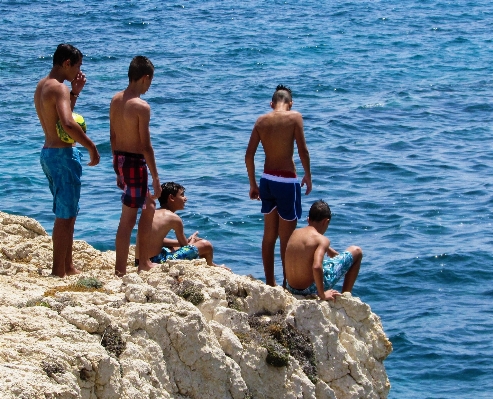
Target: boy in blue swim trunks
{"points": [[280, 190], [61, 161], [307, 272], [165, 219]]}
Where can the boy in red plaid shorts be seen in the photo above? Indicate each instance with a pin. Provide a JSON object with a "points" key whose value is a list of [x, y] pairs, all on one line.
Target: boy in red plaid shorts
{"points": [[132, 154]]}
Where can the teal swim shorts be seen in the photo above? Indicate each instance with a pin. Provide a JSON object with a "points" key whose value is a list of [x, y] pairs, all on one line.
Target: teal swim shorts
{"points": [[334, 269], [187, 252], [63, 169]]}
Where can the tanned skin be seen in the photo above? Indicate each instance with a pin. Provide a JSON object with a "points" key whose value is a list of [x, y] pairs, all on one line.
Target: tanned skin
{"points": [[277, 130], [129, 132], [165, 220], [53, 101], [304, 256]]}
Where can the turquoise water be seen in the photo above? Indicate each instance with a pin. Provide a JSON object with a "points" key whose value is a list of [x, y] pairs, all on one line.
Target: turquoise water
{"points": [[397, 99]]}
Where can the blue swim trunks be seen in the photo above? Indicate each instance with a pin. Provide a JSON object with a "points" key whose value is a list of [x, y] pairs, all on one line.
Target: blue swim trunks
{"points": [[187, 252], [283, 193], [62, 167], [334, 269]]}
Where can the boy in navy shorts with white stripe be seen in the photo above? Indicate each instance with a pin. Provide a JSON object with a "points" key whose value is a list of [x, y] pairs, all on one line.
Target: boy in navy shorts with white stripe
{"points": [[280, 190]]}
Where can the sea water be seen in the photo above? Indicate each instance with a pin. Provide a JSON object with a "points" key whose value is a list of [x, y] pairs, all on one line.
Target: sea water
{"points": [[397, 101]]}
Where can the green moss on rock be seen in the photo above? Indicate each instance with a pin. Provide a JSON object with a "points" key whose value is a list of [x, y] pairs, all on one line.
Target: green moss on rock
{"points": [[112, 341]]}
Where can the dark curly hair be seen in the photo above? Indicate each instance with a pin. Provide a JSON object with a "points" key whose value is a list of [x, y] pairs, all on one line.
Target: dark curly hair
{"points": [[167, 189], [140, 66], [66, 52], [282, 94], [319, 211]]}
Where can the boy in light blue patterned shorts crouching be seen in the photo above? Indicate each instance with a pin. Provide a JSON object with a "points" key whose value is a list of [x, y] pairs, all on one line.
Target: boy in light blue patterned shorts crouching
{"points": [[307, 273]]}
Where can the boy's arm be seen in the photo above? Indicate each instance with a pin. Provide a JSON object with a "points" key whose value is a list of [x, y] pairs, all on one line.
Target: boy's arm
{"points": [[64, 109], [299, 136], [331, 252], [250, 163], [179, 232], [112, 131], [318, 273], [147, 150]]}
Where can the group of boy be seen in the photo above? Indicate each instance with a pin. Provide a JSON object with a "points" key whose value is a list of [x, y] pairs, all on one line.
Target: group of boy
{"points": [[305, 271]]}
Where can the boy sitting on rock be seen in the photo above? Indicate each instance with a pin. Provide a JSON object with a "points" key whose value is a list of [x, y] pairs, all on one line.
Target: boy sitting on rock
{"points": [[307, 272], [173, 199]]}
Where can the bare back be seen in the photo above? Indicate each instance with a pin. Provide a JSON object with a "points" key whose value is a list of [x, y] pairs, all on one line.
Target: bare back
{"points": [[163, 222], [303, 246], [277, 131], [52, 102], [129, 123]]}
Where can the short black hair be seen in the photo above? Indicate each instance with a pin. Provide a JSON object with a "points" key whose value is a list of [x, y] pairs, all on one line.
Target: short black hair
{"points": [[282, 94], [319, 211], [167, 189], [140, 66], [66, 52]]}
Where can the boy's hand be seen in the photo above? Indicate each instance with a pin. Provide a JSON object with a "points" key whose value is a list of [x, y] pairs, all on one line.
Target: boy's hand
{"points": [[94, 155], [194, 238], [330, 295], [332, 253], [308, 182], [78, 83], [255, 193], [156, 186]]}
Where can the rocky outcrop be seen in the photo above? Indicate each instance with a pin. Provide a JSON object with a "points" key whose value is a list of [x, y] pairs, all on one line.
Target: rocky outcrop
{"points": [[184, 330]]}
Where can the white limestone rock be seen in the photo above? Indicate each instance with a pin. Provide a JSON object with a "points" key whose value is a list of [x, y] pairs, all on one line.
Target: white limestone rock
{"points": [[136, 337]]}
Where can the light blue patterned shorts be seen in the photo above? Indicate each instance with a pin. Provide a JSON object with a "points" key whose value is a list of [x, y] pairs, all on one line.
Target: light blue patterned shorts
{"points": [[334, 269], [187, 252], [63, 169]]}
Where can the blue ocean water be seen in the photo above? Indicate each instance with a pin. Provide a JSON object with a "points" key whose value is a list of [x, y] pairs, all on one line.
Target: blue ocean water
{"points": [[397, 100]]}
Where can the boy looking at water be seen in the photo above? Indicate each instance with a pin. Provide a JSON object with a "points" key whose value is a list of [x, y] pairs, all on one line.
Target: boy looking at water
{"points": [[279, 190], [61, 161], [173, 199], [132, 153], [307, 272]]}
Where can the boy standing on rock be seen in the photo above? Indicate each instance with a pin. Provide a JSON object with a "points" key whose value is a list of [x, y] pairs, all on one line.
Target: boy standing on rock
{"points": [[61, 160], [307, 272], [132, 153], [173, 199], [279, 190]]}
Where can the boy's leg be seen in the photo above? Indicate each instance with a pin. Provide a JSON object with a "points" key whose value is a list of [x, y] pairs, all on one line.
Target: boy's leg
{"points": [[206, 250], [286, 228], [352, 273], [144, 233], [122, 242], [271, 232], [63, 237]]}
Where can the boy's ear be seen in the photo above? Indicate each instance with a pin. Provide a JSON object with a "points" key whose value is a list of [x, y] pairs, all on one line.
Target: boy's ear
{"points": [[66, 63]]}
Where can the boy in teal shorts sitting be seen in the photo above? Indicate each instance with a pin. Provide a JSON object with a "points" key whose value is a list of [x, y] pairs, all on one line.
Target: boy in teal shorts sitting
{"points": [[307, 272], [165, 219]]}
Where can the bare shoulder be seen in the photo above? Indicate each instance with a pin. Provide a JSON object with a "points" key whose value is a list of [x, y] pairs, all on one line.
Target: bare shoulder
{"points": [[166, 217], [117, 97], [262, 118], [296, 116]]}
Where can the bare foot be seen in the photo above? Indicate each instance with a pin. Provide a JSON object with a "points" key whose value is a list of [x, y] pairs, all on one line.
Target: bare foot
{"points": [[148, 266], [71, 271]]}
